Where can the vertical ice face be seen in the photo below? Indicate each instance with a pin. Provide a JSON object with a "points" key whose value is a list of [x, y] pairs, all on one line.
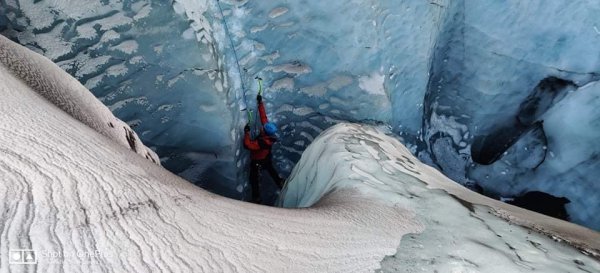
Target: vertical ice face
{"points": [[328, 61], [560, 156], [500, 73], [451, 77]]}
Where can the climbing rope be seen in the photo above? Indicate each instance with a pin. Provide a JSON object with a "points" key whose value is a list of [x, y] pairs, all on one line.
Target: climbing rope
{"points": [[254, 121], [235, 55]]}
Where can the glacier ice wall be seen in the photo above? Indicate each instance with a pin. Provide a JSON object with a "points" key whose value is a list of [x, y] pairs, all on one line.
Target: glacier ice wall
{"points": [[466, 84], [336, 60], [502, 78], [469, 86]]}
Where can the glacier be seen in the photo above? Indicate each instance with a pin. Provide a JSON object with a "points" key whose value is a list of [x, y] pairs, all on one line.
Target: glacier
{"points": [[84, 201], [522, 62], [478, 90]]}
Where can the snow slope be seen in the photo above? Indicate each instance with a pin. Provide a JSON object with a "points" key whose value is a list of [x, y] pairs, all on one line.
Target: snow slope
{"points": [[68, 190], [65, 92]]}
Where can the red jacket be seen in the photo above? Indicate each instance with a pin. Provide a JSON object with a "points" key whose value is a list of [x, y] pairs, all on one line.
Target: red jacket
{"points": [[260, 148]]}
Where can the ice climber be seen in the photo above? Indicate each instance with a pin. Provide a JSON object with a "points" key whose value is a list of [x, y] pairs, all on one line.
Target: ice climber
{"points": [[260, 151]]}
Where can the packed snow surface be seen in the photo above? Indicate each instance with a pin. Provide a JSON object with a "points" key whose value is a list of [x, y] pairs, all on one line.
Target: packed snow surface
{"points": [[65, 92], [85, 203]]}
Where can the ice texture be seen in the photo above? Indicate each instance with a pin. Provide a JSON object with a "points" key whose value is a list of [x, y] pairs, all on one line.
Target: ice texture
{"points": [[445, 76], [474, 88], [85, 203], [501, 84], [336, 61]]}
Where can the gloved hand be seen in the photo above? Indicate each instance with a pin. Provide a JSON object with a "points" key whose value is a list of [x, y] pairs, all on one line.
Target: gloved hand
{"points": [[247, 128], [259, 98]]}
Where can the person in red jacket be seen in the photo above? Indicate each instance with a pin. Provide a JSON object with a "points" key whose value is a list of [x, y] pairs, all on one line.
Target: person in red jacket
{"points": [[260, 151]]}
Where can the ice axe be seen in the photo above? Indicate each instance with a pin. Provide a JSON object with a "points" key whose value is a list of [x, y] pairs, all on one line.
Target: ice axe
{"points": [[260, 89]]}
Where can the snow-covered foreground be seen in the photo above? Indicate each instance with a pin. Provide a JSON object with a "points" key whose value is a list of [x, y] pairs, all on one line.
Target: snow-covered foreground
{"points": [[67, 190], [84, 202]]}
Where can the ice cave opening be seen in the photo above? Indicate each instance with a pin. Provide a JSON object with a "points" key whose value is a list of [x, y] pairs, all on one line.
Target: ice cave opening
{"points": [[497, 97]]}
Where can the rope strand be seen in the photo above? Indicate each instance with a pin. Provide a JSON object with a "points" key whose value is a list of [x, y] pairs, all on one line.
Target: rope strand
{"points": [[237, 62]]}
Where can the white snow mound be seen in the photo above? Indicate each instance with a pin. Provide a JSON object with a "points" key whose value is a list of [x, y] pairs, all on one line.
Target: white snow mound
{"points": [[48, 80]]}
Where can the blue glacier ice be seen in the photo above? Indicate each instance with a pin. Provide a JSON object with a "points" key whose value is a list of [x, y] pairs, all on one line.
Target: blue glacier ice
{"points": [[508, 72], [502, 94]]}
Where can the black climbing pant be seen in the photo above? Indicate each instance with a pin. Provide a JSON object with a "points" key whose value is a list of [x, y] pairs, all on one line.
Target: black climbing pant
{"points": [[256, 166]]}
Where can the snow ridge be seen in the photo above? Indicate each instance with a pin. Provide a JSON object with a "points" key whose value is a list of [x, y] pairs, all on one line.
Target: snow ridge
{"points": [[58, 87]]}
